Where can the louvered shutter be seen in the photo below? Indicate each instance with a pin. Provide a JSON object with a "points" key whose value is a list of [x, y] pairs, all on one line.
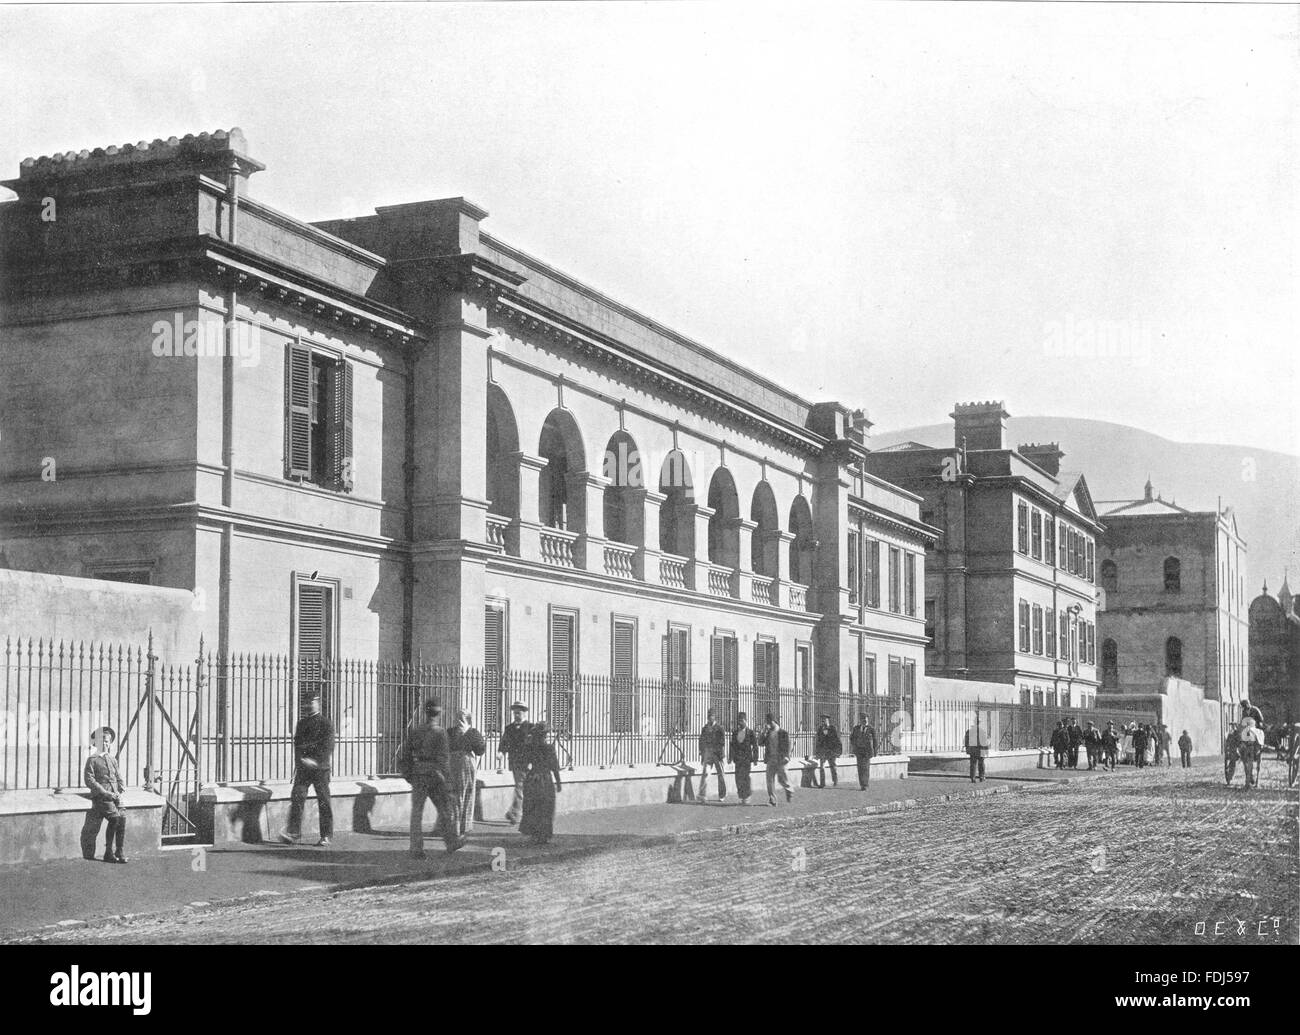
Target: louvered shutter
{"points": [[297, 417], [313, 642], [760, 663], [562, 667], [731, 661], [622, 700], [340, 451], [1062, 543], [717, 659], [494, 663]]}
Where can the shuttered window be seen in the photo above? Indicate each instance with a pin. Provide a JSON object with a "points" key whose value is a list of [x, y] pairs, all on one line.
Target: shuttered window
{"points": [[869, 674], [314, 642], [1022, 527], [803, 683], [909, 678], [1049, 539], [622, 704], [767, 676], [1064, 546], [909, 584], [871, 573], [1024, 626], [853, 568], [1036, 535], [895, 583], [676, 657], [724, 675], [1051, 634], [895, 676], [1038, 629], [494, 664], [318, 418], [563, 670]]}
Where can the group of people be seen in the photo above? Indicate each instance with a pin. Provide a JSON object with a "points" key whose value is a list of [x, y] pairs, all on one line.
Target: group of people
{"points": [[1104, 747], [741, 747]]}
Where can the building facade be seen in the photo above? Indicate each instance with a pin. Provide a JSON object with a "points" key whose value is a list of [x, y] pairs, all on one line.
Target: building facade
{"points": [[1275, 654], [396, 436], [1009, 584], [1175, 598]]}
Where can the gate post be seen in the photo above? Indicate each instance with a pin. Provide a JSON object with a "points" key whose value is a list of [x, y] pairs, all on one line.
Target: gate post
{"points": [[149, 717]]}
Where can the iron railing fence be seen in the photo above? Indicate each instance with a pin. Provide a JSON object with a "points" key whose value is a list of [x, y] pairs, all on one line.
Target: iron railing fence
{"points": [[230, 719]]}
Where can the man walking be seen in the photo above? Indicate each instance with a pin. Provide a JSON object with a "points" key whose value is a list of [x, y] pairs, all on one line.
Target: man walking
{"points": [[713, 749], [827, 748], [1185, 749], [1140, 746], [1110, 747], [743, 753], [313, 748], [1060, 744], [1165, 741], [1076, 741], [776, 753], [862, 741], [514, 739], [104, 780], [977, 746], [425, 760], [1092, 743]]}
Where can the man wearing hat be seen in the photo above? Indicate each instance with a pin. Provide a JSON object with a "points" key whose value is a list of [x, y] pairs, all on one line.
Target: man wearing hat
{"points": [[713, 752], [776, 753], [743, 753], [1110, 747], [514, 739], [827, 747], [1185, 749], [862, 741], [1092, 743], [425, 761], [104, 780], [313, 749]]}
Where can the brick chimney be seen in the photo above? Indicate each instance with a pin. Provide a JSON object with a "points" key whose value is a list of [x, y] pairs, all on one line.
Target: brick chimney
{"points": [[982, 425], [1046, 455]]}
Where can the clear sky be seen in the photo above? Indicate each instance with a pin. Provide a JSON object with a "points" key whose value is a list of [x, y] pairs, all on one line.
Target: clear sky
{"points": [[896, 205]]}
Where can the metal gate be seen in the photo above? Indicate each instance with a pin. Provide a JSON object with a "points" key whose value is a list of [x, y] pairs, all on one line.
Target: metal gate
{"points": [[169, 712]]}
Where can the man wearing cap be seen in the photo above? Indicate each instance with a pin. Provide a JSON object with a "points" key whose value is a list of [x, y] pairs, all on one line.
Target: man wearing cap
{"points": [[1110, 747], [862, 741], [425, 761], [313, 749], [1092, 743], [713, 749], [743, 753], [514, 739], [104, 780]]}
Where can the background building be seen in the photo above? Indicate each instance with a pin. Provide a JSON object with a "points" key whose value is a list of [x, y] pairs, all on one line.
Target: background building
{"points": [[1275, 654], [1175, 598], [1009, 594]]}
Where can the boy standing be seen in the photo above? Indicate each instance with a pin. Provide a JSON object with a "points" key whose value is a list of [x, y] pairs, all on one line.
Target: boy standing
{"points": [[104, 780]]}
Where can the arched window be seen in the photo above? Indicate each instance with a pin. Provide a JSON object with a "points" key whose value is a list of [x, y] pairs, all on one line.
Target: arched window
{"points": [[763, 543], [677, 512], [624, 502], [724, 541], [801, 527], [502, 461], [1174, 656], [561, 448], [1109, 664], [1173, 575], [1109, 576]]}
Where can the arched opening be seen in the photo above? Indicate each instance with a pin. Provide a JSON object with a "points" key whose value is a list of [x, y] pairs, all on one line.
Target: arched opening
{"points": [[1109, 664], [1173, 575], [1109, 576], [724, 541], [1174, 657], [677, 512], [561, 447], [502, 463], [801, 546], [763, 544], [624, 501]]}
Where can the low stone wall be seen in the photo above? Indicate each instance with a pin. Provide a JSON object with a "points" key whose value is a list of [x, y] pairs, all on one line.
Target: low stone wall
{"points": [[39, 826], [994, 761], [256, 812]]}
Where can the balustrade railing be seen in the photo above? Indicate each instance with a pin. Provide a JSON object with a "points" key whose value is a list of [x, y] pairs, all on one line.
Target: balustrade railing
{"points": [[496, 530], [618, 560], [720, 581], [557, 547], [672, 572], [763, 591]]}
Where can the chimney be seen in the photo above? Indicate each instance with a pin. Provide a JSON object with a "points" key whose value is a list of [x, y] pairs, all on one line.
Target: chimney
{"points": [[982, 425], [1046, 455], [1148, 490]]}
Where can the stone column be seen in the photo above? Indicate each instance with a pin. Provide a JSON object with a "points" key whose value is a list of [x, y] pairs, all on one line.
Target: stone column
{"points": [[742, 580], [522, 536], [781, 541], [699, 564], [646, 563], [586, 516]]}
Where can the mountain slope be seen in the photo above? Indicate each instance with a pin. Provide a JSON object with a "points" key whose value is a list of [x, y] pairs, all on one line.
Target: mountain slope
{"points": [[1261, 485]]}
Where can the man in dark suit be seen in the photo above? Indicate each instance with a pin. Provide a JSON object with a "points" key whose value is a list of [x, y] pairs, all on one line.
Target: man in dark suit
{"points": [[1076, 741], [776, 753], [713, 750], [104, 780], [862, 741], [425, 760], [1092, 743], [1060, 745], [977, 747], [743, 753], [827, 748], [514, 740], [1110, 747], [313, 749]]}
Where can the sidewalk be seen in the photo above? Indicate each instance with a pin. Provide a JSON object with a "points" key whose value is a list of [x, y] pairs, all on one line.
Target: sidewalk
{"points": [[75, 892]]}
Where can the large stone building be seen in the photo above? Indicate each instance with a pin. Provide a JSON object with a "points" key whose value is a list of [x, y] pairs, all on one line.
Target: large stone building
{"points": [[397, 436], [1009, 594], [1175, 598], [1275, 654]]}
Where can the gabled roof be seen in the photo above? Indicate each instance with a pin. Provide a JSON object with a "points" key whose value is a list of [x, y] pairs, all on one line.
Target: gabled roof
{"points": [[1140, 508], [1072, 484]]}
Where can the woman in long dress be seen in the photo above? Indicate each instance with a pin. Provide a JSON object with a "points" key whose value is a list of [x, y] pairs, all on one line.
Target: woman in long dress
{"points": [[467, 746], [541, 785]]}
